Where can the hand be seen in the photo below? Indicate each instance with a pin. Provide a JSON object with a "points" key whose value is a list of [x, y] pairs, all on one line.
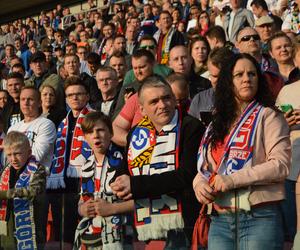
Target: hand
{"points": [[104, 208], [222, 183], [296, 114], [127, 96], [290, 118], [297, 240], [204, 192], [87, 209], [121, 187]]}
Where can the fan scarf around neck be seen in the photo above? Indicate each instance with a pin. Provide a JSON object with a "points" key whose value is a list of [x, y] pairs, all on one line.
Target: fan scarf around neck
{"points": [[23, 208], [155, 153]]}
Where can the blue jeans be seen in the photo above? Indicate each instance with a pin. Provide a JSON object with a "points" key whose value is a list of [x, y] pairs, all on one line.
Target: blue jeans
{"points": [[258, 229], [289, 211]]}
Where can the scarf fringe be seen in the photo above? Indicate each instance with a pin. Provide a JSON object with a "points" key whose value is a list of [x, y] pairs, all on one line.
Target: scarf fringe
{"points": [[55, 183], [74, 171], [159, 226]]}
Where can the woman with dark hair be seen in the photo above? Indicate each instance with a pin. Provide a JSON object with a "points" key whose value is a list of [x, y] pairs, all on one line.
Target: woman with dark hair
{"points": [[176, 17], [199, 49], [203, 22], [243, 161]]}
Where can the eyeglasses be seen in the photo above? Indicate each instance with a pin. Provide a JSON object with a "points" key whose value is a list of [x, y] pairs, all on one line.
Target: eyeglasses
{"points": [[72, 95], [147, 47], [248, 38]]}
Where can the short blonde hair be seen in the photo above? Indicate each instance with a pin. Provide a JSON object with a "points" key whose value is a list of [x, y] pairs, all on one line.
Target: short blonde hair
{"points": [[16, 139]]}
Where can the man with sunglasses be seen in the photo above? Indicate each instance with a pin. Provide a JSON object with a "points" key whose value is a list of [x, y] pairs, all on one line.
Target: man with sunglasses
{"points": [[248, 41]]}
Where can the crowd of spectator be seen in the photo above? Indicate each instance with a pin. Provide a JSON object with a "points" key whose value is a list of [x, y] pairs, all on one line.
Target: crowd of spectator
{"points": [[139, 113]]}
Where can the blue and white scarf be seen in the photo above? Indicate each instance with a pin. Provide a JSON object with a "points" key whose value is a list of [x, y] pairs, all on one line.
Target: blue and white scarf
{"points": [[96, 184], [238, 152], [151, 153], [23, 208], [80, 151]]}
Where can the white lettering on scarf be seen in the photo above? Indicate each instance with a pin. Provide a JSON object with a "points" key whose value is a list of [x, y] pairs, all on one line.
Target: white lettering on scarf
{"points": [[145, 210], [162, 160]]}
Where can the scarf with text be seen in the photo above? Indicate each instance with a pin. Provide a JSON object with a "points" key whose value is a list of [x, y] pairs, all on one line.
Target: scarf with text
{"points": [[95, 184], [238, 151], [23, 208], [151, 153], [80, 151]]}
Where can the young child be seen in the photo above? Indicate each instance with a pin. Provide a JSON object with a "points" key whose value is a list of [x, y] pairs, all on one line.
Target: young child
{"points": [[102, 223], [21, 180]]}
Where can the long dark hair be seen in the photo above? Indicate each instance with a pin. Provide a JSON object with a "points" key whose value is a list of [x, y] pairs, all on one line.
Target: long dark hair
{"points": [[226, 106]]}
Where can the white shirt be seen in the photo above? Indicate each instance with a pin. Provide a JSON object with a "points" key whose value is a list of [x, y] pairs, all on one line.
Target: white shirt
{"points": [[41, 133]]}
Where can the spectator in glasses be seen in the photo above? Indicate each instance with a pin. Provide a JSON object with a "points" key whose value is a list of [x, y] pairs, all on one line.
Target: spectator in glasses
{"points": [[248, 41]]}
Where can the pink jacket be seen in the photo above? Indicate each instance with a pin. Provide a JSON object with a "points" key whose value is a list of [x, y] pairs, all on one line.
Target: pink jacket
{"points": [[271, 161]]}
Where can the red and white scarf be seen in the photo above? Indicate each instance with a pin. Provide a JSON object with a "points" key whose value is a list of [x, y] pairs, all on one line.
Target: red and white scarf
{"points": [[80, 151], [151, 153]]}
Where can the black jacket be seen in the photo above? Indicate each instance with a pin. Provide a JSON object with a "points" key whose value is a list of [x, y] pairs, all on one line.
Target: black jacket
{"points": [[97, 105], [91, 83], [197, 83]]}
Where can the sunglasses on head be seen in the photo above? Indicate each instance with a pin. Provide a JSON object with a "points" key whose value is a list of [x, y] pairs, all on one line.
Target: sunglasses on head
{"points": [[248, 38], [147, 47]]}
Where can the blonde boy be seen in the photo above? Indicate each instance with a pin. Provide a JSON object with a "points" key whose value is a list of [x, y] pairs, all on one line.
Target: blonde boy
{"points": [[21, 181]]}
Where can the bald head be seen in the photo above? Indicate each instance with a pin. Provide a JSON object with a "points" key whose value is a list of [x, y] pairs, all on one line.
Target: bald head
{"points": [[180, 60]]}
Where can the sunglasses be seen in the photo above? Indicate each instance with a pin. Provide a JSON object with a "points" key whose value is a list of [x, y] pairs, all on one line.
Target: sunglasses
{"points": [[248, 38], [147, 47]]}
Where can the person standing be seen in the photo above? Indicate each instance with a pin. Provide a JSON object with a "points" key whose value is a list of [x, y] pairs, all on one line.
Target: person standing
{"points": [[70, 154], [161, 160], [243, 160]]}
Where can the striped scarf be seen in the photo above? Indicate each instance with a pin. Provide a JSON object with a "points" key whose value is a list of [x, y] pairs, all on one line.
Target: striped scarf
{"points": [[148, 154], [79, 152], [238, 153], [166, 44], [23, 208], [95, 184]]}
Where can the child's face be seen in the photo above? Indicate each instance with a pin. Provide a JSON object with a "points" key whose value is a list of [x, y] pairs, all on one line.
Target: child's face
{"points": [[99, 138], [17, 156]]}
